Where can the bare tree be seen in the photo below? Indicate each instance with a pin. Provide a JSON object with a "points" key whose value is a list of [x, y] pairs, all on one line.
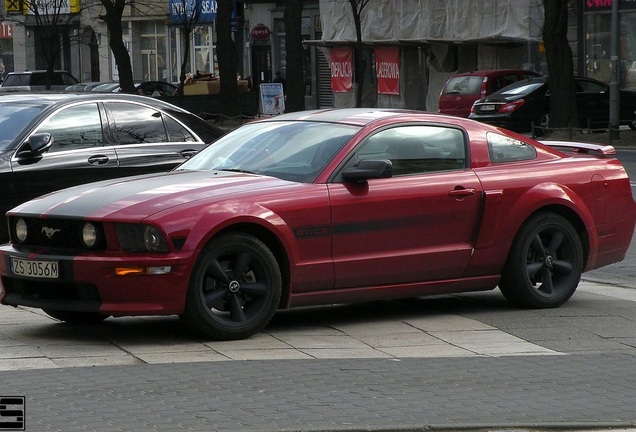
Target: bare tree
{"points": [[50, 20], [112, 18], [563, 112], [295, 75], [358, 58], [188, 18]]}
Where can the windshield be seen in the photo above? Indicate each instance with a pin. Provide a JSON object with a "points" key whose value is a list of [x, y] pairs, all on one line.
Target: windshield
{"points": [[14, 117], [290, 150]]}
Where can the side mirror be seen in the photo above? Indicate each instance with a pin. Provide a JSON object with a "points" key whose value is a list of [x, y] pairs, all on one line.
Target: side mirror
{"points": [[368, 169], [36, 145]]}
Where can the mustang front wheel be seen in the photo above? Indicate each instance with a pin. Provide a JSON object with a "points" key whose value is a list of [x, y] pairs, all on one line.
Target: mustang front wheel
{"points": [[545, 263], [234, 288]]}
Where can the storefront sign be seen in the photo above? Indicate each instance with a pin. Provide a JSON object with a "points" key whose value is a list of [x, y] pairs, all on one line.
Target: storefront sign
{"points": [[599, 5], [341, 62], [6, 30], [260, 33], [192, 11], [387, 68], [51, 7], [272, 98]]}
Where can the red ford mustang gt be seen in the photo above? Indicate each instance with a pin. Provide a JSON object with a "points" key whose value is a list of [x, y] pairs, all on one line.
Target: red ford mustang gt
{"points": [[324, 207]]}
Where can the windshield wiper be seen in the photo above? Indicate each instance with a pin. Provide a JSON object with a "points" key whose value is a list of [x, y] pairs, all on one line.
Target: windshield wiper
{"points": [[237, 170]]}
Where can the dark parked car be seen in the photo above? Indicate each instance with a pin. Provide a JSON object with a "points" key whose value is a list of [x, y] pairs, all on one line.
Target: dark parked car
{"points": [[324, 207], [49, 141], [462, 90], [518, 105], [36, 81], [157, 88]]}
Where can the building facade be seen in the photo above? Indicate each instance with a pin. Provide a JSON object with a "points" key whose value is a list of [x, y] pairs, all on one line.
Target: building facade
{"points": [[408, 44]]}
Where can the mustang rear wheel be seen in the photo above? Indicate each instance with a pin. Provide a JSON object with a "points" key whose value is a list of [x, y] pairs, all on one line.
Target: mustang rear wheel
{"points": [[76, 317], [234, 288], [544, 264]]}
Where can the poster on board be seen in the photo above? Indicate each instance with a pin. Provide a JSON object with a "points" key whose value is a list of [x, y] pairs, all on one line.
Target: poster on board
{"points": [[272, 99]]}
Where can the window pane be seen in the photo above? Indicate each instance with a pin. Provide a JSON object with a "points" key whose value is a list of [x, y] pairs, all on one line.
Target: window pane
{"points": [[136, 124], [417, 149], [75, 127], [506, 149], [176, 132]]}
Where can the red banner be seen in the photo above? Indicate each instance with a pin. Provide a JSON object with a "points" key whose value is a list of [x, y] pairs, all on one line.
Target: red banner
{"points": [[6, 30], [387, 69], [341, 69]]}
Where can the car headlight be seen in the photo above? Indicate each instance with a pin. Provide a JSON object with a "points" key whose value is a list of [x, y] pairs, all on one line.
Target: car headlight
{"points": [[21, 230], [89, 235], [140, 238]]}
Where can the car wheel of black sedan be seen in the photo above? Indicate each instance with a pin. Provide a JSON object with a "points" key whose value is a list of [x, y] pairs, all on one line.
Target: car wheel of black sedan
{"points": [[545, 263], [541, 124], [234, 289], [73, 317]]}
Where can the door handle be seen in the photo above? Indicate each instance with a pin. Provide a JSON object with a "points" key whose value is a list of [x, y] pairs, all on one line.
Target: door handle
{"points": [[460, 193], [98, 160]]}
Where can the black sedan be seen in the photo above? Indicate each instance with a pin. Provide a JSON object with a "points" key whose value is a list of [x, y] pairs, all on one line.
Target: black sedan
{"points": [[523, 103], [52, 141]]}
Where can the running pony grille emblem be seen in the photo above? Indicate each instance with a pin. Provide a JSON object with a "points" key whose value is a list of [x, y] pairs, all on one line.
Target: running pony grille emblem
{"points": [[49, 232]]}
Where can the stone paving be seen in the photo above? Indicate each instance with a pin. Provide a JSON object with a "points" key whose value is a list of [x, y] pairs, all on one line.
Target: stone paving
{"points": [[456, 362]]}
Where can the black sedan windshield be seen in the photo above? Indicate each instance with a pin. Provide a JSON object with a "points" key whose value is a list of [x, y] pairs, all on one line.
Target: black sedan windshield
{"points": [[289, 150], [13, 119]]}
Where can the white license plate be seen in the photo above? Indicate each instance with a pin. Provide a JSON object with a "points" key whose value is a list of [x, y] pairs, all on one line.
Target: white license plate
{"points": [[487, 108], [35, 268]]}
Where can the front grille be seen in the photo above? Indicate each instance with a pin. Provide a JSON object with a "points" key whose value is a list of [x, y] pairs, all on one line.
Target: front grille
{"points": [[56, 233]]}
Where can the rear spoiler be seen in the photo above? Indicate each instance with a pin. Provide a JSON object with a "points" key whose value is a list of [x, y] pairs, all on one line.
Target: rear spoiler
{"points": [[584, 148]]}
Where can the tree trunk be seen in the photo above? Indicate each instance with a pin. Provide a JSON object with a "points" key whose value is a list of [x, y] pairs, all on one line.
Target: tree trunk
{"points": [[294, 54], [359, 65], [563, 111], [114, 12], [187, 35], [226, 54]]}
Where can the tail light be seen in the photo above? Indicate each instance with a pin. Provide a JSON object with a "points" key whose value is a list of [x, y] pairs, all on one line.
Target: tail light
{"points": [[512, 106], [483, 87]]}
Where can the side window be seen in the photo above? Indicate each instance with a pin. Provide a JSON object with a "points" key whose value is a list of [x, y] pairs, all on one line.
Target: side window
{"points": [[75, 127], [506, 149], [68, 79], [137, 124], [176, 132], [510, 79], [590, 87], [497, 83], [417, 149]]}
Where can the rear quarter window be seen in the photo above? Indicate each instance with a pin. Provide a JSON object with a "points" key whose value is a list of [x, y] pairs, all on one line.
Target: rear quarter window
{"points": [[506, 149], [16, 80]]}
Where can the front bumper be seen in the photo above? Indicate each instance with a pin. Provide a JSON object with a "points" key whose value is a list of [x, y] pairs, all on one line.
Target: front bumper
{"points": [[88, 283]]}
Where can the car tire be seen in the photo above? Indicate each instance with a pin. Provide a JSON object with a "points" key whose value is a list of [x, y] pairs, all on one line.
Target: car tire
{"points": [[632, 124], [234, 289], [74, 317], [544, 264], [541, 124]]}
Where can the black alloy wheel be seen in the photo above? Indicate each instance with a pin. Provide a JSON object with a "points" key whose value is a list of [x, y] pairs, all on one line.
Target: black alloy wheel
{"points": [[234, 289], [544, 264]]}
